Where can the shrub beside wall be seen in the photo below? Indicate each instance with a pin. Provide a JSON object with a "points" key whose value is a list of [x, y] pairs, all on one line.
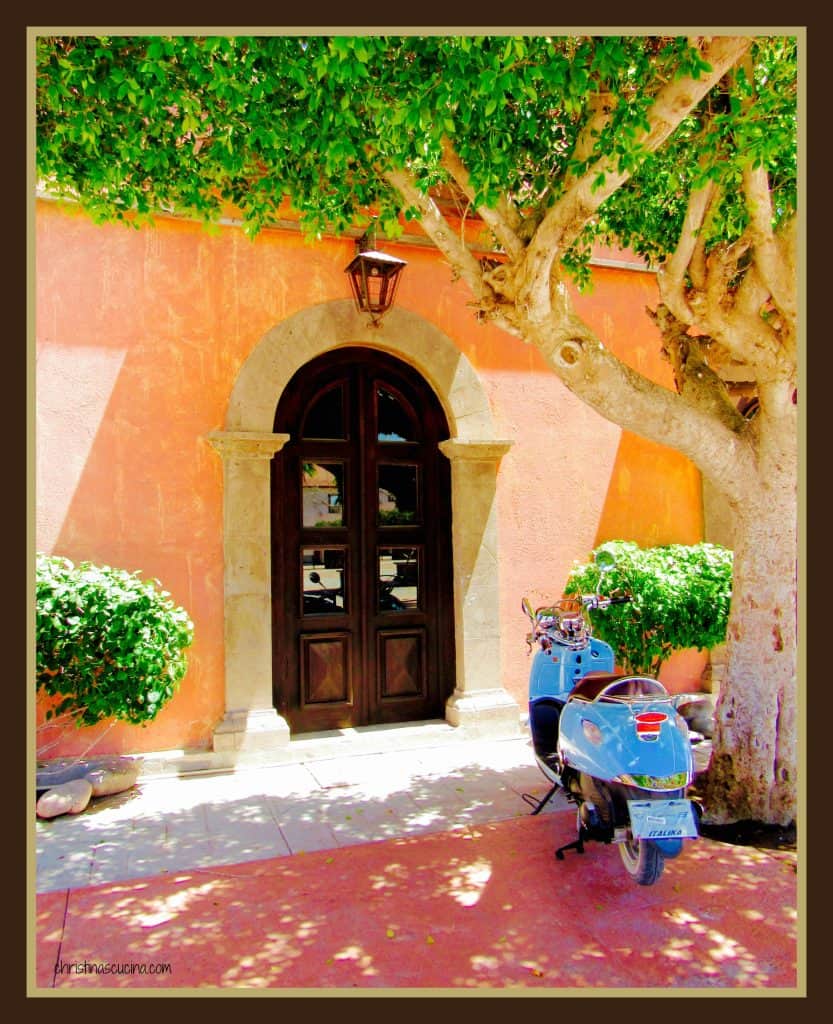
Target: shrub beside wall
{"points": [[110, 645], [681, 597]]}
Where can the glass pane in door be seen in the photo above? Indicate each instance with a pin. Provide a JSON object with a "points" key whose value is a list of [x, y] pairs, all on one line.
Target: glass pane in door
{"points": [[398, 495], [323, 576], [398, 579], [322, 488], [325, 417], [394, 419]]}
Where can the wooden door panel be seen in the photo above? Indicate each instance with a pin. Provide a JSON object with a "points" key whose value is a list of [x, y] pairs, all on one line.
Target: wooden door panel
{"points": [[362, 609], [401, 664], [325, 669]]}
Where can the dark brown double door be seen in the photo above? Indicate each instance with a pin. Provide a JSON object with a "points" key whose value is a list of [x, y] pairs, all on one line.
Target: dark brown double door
{"points": [[361, 526]]}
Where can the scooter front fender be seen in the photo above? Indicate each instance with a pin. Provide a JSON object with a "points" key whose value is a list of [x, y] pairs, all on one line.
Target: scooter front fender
{"points": [[601, 740]]}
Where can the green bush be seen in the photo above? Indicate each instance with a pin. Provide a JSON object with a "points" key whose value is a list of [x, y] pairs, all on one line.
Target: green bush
{"points": [[110, 644], [681, 596]]}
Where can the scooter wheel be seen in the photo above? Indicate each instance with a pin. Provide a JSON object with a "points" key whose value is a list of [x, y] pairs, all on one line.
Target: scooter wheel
{"points": [[643, 860]]}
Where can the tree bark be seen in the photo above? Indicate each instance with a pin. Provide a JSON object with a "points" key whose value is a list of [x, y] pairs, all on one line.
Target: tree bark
{"points": [[754, 765]]}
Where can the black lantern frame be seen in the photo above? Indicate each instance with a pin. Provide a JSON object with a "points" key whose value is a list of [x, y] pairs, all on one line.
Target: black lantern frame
{"points": [[374, 278]]}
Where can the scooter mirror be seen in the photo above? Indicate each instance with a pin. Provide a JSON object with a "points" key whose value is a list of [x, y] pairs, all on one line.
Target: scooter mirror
{"points": [[605, 562], [526, 607]]}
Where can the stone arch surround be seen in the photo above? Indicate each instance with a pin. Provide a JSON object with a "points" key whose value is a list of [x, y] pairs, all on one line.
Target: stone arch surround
{"points": [[479, 703]]}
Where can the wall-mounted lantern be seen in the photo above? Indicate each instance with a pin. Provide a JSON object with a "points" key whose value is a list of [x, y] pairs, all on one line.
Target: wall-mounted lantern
{"points": [[374, 276]]}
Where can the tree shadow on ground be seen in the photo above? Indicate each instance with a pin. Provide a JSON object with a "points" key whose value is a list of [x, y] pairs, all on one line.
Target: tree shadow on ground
{"points": [[752, 833], [482, 907]]}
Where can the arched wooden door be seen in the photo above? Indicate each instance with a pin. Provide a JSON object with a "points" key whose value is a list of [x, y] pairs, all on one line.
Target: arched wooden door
{"points": [[361, 542]]}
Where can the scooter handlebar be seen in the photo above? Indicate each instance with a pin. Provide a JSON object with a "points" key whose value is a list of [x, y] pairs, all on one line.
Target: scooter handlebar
{"points": [[594, 601]]}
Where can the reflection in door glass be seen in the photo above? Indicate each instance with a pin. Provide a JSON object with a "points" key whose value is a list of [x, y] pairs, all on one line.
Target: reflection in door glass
{"points": [[322, 581], [325, 417], [398, 579], [322, 487], [394, 422], [398, 495]]}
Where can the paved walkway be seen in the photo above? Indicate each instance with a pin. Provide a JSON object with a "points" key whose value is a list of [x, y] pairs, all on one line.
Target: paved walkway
{"points": [[414, 868], [318, 799]]}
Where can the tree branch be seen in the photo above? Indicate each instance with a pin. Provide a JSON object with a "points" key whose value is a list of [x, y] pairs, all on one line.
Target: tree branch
{"points": [[499, 220], [733, 316], [601, 107], [696, 380], [671, 276], [441, 234], [707, 302], [697, 269], [776, 276], [567, 218], [786, 240], [778, 280], [718, 446]]}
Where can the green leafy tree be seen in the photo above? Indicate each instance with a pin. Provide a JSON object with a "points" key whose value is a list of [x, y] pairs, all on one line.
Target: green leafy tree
{"points": [[109, 644], [684, 149], [680, 598]]}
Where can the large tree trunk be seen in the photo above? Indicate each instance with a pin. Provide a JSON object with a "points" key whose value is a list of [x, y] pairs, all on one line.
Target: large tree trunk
{"points": [[753, 769]]}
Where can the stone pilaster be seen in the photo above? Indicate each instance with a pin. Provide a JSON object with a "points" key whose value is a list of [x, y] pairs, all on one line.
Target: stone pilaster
{"points": [[479, 703], [251, 721]]}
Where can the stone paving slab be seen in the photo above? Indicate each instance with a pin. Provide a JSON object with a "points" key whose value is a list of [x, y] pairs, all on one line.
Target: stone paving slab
{"points": [[170, 823]]}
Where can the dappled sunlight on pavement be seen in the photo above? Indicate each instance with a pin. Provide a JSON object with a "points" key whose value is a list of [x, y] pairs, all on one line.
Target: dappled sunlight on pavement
{"points": [[174, 824], [482, 906]]}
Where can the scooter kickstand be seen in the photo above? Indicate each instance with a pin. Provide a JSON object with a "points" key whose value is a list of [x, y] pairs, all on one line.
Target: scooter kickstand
{"points": [[577, 845], [539, 805]]}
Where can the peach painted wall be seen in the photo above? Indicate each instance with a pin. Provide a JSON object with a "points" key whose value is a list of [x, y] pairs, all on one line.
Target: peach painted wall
{"points": [[139, 337]]}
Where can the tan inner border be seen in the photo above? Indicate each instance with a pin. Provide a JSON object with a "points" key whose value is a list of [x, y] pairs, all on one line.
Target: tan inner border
{"points": [[247, 446]]}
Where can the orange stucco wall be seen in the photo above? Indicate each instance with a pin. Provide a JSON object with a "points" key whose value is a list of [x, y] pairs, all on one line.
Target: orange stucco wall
{"points": [[139, 337]]}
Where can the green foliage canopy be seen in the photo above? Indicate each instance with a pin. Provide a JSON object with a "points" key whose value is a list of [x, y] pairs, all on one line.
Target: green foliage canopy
{"points": [[681, 595], [109, 644], [133, 125]]}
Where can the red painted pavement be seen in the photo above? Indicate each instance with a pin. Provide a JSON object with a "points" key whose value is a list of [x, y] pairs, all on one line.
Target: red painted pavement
{"points": [[484, 907]]}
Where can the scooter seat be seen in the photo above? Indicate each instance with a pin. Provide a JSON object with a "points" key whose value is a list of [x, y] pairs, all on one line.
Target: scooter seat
{"points": [[590, 686], [628, 685], [593, 683]]}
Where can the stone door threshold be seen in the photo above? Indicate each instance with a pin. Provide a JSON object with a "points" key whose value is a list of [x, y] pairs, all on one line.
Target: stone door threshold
{"points": [[315, 746]]}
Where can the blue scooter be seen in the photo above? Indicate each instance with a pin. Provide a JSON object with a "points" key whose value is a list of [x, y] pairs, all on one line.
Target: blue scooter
{"points": [[613, 743]]}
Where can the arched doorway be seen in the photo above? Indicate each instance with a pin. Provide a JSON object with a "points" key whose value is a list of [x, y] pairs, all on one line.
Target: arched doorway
{"points": [[361, 540], [247, 446]]}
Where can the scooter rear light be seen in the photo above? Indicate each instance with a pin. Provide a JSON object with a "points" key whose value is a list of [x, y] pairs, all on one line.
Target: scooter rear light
{"points": [[649, 723]]}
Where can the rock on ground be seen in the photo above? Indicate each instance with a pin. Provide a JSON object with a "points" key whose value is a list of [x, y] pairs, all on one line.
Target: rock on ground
{"points": [[68, 769], [100, 776], [699, 713], [113, 780], [68, 798]]}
